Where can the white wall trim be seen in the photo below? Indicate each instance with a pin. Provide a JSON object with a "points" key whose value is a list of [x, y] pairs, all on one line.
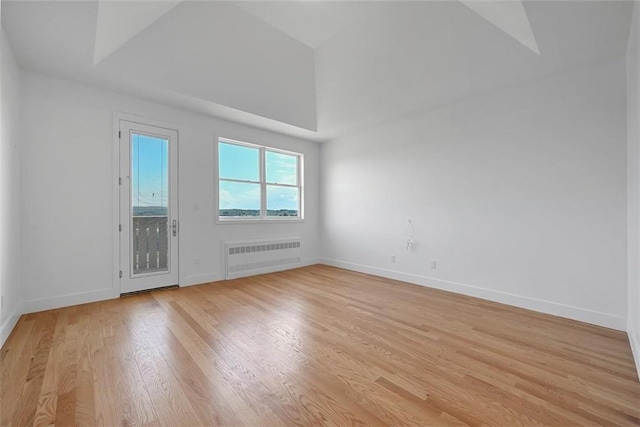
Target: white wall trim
{"points": [[575, 313], [635, 345], [542, 306], [310, 261], [35, 305], [268, 270], [200, 279], [10, 323], [115, 205]]}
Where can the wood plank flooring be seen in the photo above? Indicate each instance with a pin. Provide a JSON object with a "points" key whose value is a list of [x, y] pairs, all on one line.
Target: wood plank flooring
{"points": [[313, 346]]}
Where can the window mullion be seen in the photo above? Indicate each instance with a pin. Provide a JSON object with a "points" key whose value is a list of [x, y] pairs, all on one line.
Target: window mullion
{"points": [[242, 181], [286, 190], [299, 182], [276, 184]]}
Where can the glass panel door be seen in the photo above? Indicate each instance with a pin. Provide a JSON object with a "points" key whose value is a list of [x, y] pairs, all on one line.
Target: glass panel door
{"points": [[148, 207], [149, 203]]}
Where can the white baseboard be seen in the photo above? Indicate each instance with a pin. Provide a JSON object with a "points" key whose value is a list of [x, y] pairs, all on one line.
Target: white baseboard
{"points": [[10, 323], [542, 306], [310, 261], [199, 279], [266, 270], [42, 304], [634, 342]]}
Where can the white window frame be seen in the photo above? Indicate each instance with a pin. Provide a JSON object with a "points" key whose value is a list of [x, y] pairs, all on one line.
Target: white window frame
{"points": [[263, 218]]}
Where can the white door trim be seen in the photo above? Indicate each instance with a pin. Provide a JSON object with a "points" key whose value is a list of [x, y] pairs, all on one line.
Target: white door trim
{"points": [[115, 195]]}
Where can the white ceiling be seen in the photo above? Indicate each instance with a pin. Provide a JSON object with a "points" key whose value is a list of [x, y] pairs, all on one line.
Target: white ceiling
{"points": [[312, 69], [509, 16], [310, 22], [119, 21]]}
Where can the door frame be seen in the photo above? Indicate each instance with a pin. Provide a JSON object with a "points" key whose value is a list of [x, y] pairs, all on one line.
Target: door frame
{"points": [[115, 195]]}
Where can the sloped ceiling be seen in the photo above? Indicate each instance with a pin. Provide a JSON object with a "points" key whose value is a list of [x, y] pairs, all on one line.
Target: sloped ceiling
{"points": [[509, 16], [311, 69], [119, 21]]}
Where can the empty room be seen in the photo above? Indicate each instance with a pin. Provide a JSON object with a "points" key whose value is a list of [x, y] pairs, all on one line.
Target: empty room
{"points": [[336, 213]]}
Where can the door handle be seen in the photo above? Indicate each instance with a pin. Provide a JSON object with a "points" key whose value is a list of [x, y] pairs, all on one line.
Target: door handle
{"points": [[174, 227]]}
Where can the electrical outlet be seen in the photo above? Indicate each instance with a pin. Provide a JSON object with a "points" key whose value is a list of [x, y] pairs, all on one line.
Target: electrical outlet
{"points": [[392, 258], [433, 264]]}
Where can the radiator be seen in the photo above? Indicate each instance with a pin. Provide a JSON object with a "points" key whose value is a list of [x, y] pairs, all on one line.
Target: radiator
{"points": [[259, 257]]}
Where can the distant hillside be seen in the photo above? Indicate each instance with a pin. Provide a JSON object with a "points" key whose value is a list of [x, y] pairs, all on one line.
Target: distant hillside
{"points": [[149, 211], [256, 212]]}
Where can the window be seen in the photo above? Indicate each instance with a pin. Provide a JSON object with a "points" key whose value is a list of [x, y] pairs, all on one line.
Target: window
{"points": [[256, 182]]}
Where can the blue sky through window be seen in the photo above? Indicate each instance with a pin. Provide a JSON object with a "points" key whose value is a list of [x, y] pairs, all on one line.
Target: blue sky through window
{"points": [[281, 168], [239, 162], [282, 198], [149, 172]]}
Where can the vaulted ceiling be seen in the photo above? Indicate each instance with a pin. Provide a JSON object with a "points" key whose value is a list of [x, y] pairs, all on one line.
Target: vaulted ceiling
{"points": [[312, 69]]}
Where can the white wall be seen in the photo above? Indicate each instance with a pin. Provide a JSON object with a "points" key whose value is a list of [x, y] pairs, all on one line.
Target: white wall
{"points": [[633, 182], [519, 196], [10, 281], [67, 191]]}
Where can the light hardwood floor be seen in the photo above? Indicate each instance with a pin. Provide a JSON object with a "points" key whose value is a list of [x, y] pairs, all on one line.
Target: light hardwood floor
{"points": [[313, 346]]}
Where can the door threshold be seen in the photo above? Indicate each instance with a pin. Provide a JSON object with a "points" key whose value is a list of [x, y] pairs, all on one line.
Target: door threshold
{"points": [[146, 291]]}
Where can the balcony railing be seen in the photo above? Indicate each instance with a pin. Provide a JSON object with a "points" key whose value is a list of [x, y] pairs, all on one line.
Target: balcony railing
{"points": [[150, 244]]}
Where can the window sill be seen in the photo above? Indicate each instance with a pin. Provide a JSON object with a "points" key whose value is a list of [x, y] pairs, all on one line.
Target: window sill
{"points": [[236, 221]]}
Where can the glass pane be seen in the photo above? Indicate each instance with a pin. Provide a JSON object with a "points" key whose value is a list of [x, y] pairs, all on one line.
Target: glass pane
{"points": [[282, 201], [281, 168], [150, 202], [239, 199], [238, 162]]}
